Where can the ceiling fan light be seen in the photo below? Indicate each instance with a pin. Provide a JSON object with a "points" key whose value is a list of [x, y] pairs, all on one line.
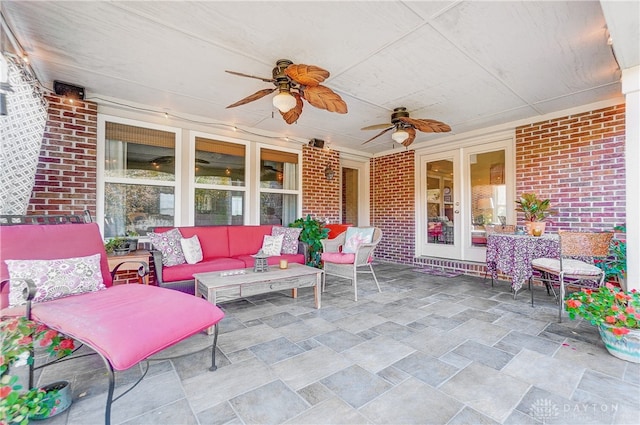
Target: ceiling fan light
{"points": [[399, 136], [284, 101]]}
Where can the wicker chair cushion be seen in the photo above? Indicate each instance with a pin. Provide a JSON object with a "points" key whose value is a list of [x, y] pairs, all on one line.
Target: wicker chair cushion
{"points": [[338, 257], [569, 267]]}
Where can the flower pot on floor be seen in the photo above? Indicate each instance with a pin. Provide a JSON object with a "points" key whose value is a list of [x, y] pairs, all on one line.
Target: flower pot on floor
{"points": [[58, 399], [626, 348]]}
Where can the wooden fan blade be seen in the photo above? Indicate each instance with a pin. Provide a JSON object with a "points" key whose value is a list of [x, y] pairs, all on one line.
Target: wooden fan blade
{"points": [[324, 98], [306, 75], [426, 126], [257, 95], [292, 115], [380, 134], [266, 80], [376, 127], [411, 138]]}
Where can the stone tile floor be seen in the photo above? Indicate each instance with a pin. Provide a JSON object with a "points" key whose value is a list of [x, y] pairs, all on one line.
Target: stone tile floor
{"points": [[427, 350]]}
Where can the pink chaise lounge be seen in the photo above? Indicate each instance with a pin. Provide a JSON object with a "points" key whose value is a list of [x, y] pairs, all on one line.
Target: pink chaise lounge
{"points": [[124, 324]]}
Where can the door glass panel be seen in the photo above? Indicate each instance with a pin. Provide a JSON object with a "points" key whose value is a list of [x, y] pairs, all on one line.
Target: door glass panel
{"points": [[488, 193], [440, 202]]}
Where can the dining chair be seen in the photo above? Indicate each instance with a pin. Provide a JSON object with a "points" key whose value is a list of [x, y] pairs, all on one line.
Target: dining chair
{"points": [[575, 267], [497, 228], [348, 253]]}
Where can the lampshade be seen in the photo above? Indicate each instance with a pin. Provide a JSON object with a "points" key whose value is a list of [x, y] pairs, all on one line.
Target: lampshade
{"points": [[400, 136], [485, 203], [284, 101]]}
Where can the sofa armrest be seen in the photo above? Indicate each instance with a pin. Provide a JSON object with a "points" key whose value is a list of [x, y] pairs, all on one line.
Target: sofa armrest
{"points": [[157, 263], [303, 248]]}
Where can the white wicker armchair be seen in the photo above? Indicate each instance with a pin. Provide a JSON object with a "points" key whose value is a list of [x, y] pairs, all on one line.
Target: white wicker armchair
{"points": [[347, 266]]}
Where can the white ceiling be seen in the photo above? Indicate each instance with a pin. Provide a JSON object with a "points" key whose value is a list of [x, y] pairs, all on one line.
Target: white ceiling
{"points": [[469, 64]]}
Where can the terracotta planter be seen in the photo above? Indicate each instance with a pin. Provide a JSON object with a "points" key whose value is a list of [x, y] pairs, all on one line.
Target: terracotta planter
{"points": [[625, 348], [535, 228]]}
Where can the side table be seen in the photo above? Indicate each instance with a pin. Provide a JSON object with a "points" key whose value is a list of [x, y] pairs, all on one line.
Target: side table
{"points": [[131, 262]]}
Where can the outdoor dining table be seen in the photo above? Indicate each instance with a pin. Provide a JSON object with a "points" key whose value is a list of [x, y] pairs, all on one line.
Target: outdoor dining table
{"points": [[512, 255]]}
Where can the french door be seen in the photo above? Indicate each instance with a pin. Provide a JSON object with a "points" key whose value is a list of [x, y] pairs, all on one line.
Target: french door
{"points": [[460, 192]]}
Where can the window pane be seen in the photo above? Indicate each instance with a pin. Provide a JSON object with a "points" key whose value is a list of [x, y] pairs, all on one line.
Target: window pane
{"points": [[218, 207], [278, 208], [278, 170], [136, 152], [137, 208], [488, 191], [219, 162]]}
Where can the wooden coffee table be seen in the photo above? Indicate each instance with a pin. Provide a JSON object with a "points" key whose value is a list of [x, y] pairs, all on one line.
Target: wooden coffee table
{"points": [[227, 285]]}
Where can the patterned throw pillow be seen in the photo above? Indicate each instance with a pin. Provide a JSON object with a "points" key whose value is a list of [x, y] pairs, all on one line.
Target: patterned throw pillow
{"points": [[271, 245], [191, 249], [355, 237], [290, 240], [54, 278], [168, 243]]}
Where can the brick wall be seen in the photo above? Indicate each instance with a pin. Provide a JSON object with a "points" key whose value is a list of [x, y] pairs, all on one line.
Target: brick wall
{"points": [[578, 162], [320, 197], [393, 205], [65, 181]]}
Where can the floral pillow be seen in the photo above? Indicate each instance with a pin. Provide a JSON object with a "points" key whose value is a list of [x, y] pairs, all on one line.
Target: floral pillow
{"points": [[271, 245], [191, 249], [168, 243], [290, 240], [355, 237], [54, 278]]}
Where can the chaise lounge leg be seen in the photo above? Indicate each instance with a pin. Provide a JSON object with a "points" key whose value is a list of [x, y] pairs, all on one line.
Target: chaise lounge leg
{"points": [[213, 349], [112, 385]]}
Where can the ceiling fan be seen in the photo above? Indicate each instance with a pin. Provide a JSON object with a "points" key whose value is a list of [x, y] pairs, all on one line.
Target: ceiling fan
{"points": [[406, 127], [295, 82]]}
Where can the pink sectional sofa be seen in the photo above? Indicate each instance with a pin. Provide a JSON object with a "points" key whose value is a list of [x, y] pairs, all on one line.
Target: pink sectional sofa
{"points": [[223, 248]]}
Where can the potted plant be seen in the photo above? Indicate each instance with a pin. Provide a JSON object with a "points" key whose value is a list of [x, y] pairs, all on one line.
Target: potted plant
{"points": [[535, 212], [117, 246], [617, 315], [615, 265], [18, 405], [312, 232]]}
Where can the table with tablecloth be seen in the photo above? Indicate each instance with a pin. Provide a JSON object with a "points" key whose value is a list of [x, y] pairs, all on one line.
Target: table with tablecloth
{"points": [[512, 255]]}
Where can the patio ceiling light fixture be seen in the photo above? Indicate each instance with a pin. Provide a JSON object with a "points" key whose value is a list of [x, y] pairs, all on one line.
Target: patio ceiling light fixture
{"points": [[400, 136]]}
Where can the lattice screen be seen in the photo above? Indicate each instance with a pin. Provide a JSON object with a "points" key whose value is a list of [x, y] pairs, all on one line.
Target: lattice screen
{"points": [[21, 132]]}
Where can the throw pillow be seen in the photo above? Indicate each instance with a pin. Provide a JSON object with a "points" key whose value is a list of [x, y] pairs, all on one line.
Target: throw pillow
{"points": [[355, 237], [271, 245], [191, 249], [290, 240], [54, 278], [168, 243]]}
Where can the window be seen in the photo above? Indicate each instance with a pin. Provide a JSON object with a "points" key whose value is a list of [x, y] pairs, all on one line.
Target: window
{"points": [[139, 179], [219, 182], [279, 174]]}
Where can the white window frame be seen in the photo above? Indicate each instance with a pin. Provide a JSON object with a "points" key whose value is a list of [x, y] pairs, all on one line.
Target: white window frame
{"points": [[255, 213]]}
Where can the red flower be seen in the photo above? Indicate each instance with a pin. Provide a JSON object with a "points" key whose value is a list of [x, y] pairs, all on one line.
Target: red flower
{"points": [[4, 392], [573, 303], [25, 340], [66, 344], [615, 308], [630, 309], [620, 331], [610, 319], [50, 334]]}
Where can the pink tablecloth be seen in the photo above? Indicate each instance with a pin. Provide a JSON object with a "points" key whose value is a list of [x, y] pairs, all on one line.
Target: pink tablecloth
{"points": [[512, 254]]}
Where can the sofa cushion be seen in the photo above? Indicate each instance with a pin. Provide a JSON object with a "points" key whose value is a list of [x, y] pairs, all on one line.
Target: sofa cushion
{"points": [[271, 245], [168, 243], [290, 240], [214, 240], [54, 278], [125, 320], [246, 240], [191, 249], [186, 271], [355, 237]]}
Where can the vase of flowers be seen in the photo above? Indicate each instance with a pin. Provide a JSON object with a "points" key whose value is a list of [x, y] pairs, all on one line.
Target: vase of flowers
{"points": [[535, 212], [19, 405], [617, 315]]}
